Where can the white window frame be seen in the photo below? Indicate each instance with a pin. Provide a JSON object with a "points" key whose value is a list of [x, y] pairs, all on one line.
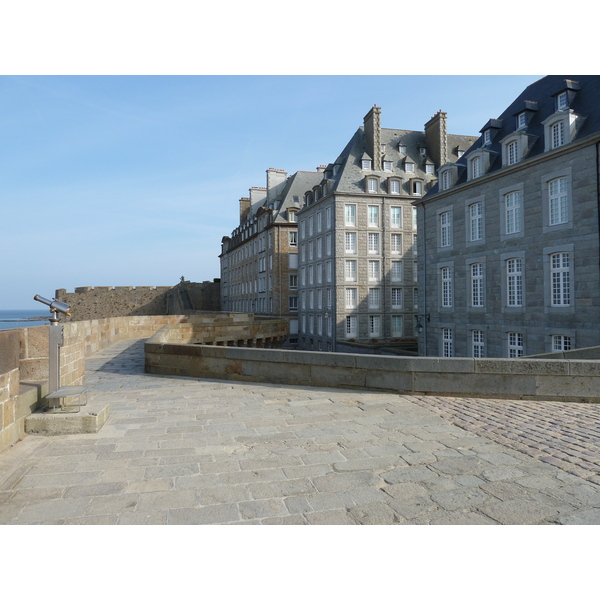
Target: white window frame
{"points": [[350, 242], [373, 243], [445, 220], [394, 186], [447, 342], [373, 215], [516, 346], [350, 215], [350, 273], [396, 243], [351, 298], [396, 271], [514, 282], [374, 326], [351, 326], [561, 343], [478, 343], [397, 297], [513, 212], [446, 289], [374, 270], [558, 201], [396, 217], [477, 284], [560, 274], [475, 221], [397, 326], [374, 298]]}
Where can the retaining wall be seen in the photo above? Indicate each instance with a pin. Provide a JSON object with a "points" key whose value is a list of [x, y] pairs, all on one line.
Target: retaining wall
{"points": [[567, 380]]}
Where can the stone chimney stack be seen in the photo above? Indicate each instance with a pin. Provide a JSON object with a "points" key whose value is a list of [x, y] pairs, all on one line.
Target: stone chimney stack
{"points": [[436, 138], [275, 179], [244, 209], [372, 122]]}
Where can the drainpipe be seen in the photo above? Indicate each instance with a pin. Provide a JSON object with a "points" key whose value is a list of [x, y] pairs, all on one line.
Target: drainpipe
{"points": [[424, 277]]}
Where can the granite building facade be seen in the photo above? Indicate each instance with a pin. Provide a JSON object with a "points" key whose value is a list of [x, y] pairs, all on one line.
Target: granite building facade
{"points": [[509, 244]]}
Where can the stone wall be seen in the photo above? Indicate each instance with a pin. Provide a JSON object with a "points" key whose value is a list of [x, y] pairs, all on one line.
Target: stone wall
{"points": [[11, 429], [89, 303], [535, 379]]}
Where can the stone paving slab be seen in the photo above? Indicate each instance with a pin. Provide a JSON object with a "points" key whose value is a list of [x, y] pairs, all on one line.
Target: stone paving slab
{"points": [[186, 451]]}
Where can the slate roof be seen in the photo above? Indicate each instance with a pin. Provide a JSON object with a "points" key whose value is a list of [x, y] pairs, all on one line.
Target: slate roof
{"points": [[539, 99], [350, 176], [292, 195]]}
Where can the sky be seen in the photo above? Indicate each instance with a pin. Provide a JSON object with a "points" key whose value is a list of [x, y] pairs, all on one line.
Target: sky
{"points": [[134, 180], [127, 137]]}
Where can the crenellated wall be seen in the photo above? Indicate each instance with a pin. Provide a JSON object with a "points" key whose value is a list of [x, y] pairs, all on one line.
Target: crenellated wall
{"points": [[102, 302]]}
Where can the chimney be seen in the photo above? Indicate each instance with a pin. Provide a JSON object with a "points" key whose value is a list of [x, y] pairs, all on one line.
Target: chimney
{"points": [[436, 138], [244, 209], [275, 177], [321, 168], [372, 122]]}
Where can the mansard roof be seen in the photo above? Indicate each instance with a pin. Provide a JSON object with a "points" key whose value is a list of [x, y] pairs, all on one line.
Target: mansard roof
{"points": [[539, 99]]}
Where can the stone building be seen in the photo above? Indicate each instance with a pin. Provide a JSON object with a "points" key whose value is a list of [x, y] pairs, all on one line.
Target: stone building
{"points": [[357, 231], [509, 238], [259, 261]]}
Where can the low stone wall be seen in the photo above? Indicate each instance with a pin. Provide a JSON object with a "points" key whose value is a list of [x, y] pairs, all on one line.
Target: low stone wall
{"points": [[569, 380], [24, 362]]}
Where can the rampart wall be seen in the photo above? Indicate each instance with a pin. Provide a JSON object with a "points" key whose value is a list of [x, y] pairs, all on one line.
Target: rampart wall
{"points": [[103, 302]]}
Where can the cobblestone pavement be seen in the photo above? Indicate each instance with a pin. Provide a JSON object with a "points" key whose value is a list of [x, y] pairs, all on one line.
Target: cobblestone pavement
{"points": [[188, 451]]}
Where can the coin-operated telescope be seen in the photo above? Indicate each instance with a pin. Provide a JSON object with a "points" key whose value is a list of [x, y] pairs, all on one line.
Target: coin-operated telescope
{"points": [[57, 394]]}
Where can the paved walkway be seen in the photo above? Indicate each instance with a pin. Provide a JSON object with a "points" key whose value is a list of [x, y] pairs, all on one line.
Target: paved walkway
{"points": [[188, 451]]}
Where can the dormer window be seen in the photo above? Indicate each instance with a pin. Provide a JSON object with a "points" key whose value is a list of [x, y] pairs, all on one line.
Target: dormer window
{"points": [[487, 137], [562, 101], [512, 152], [366, 164], [402, 148], [557, 134], [394, 186], [416, 187], [448, 175], [423, 151], [429, 169], [515, 147], [475, 165], [372, 185], [409, 167], [292, 216], [521, 120], [387, 165]]}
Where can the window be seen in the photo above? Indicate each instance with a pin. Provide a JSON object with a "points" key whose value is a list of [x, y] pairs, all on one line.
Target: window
{"points": [[373, 216], [446, 180], [293, 282], [292, 216], [374, 271], [429, 169], [487, 137], [350, 270], [328, 217], [402, 148], [513, 212], [446, 273], [373, 243], [477, 284], [397, 297], [397, 325], [476, 167], [350, 215], [447, 349], [396, 216], [374, 297], [293, 303], [351, 298], [293, 238], [414, 217], [515, 344], [417, 188], [374, 325], [310, 226], [557, 135], [387, 165], [351, 326], [372, 185], [366, 164], [514, 282], [319, 221], [476, 221], [521, 120], [562, 101], [512, 151], [396, 243], [396, 270], [561, 343], [409, 167], [561, 286], [445, 229], [394, 186], [478, 343], [558, 201], [350, 242]]}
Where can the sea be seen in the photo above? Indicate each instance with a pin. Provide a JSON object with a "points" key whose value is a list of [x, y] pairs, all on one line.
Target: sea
{"points": [[15, 319]]}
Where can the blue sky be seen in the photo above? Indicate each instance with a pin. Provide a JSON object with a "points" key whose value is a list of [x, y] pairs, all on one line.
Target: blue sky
{"points": [[127, 136], [134, 180]]}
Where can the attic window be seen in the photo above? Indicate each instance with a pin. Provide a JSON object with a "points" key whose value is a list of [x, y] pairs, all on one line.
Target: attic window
{"points": [[562, 101], [387, 165], [409, 167], [487, 137], [521, 120], [366, 164], [423, 151], [402, 148], [429, 169]]}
